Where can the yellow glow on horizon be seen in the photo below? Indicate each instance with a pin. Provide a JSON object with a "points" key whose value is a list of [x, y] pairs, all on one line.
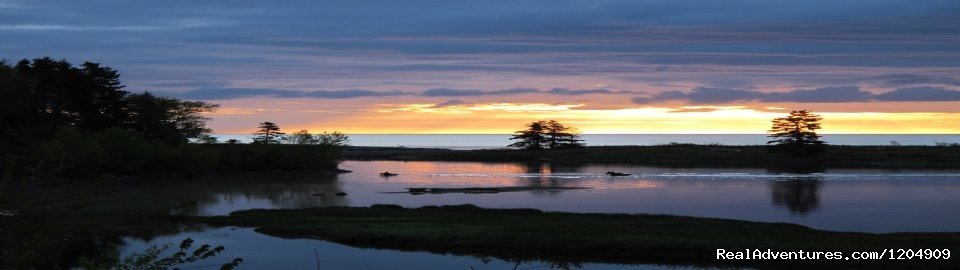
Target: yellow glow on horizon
{"points": [[456, 109], [500, 118]]}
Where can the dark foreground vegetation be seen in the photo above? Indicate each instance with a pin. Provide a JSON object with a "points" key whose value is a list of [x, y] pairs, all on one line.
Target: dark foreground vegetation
{"points": [[62, 238], [690, 155], [528, 234], [64, 127], [75, 153], [61, 120]]}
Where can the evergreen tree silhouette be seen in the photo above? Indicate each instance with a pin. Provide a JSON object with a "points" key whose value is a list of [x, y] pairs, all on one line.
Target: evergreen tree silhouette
{"points": [[267, 133], [796, 133]]}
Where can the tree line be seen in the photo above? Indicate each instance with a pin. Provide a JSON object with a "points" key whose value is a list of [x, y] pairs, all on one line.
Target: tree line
{"points": [[42, 94], [795, 133], [269, 133], [547, 134], [58, 119]]}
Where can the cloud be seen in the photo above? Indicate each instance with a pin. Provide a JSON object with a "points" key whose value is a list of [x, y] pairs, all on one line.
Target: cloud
{"points": [[920, 94], [178, 24], [842, 94], [360, 44], [339, 94], [914, 79], [684, 109], [448, 103], [577, 92], [58, 27], [819, 95], [702, 95], [446, 92], [213, 93], [219, 93]]}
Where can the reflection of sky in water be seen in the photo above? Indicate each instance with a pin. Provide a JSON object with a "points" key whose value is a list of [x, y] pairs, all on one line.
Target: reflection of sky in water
{"points": [[264, 252], [846, 200]]}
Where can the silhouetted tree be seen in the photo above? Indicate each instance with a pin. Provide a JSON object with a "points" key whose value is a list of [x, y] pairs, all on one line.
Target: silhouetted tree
{"points": [[560, 136], [546, 135], [268, 133], [168, 119], [796, 133], [47, 93], [531, 138], [207, 139], [103, 102], [333, 138], [303, 137], [300, 137]]}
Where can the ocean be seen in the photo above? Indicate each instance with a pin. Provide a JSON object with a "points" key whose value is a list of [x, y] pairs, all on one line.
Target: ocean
{"points": [[486, 141]]}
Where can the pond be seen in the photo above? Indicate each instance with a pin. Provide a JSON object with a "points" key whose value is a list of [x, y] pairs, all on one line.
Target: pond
{"points": [[835, 199]]}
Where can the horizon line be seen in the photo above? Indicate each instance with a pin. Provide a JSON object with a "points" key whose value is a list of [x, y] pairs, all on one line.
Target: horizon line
{"points": [[932, 134]]}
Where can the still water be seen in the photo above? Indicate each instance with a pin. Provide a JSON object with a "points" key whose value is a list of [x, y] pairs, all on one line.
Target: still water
{"points": [[265, 252], [840, 200]]}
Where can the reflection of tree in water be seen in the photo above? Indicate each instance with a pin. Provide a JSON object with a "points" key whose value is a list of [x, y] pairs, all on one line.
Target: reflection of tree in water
{"points": [[287, 193], [566, 167], [547, 168], [305, 196], [800, 195], [60, 232], [546, 179]]}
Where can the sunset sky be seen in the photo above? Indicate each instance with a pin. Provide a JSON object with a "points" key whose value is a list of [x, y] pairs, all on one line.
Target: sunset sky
{"points": [[490, 66]]}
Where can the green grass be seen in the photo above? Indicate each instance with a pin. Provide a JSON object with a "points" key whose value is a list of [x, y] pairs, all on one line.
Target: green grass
{"points": [[689, 155], [526, 234]]}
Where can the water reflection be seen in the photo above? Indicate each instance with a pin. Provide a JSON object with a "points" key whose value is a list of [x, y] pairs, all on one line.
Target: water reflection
{"points": [[224, 194], [847, 200], [844, 200], [800, 194], [550, 168]]}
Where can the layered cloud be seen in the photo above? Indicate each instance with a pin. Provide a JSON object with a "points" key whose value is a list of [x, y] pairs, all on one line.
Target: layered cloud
{"points": [[497, 44], [707, 95], [235, 93], [895, 56], [444, 92], [216, 93], [914, 79]]}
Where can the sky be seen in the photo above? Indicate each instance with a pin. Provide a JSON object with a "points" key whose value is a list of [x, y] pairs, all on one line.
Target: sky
{"points": [[637, 66]]}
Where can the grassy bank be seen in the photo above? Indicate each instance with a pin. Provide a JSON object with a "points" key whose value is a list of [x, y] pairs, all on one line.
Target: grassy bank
{"points": [[525, 234], [138, 157], [688, 155]]}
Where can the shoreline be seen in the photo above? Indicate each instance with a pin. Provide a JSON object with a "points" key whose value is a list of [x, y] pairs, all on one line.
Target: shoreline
{"points": [[688, 155]]}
